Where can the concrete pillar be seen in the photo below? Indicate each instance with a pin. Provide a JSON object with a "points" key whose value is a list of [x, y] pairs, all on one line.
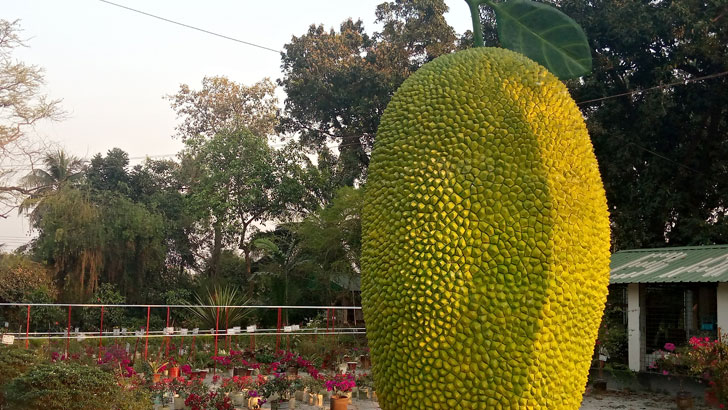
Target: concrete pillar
{"points": [[722, 307], [634, 328]]}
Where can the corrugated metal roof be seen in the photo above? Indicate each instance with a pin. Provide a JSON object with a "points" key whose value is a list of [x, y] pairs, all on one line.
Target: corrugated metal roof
{"points": [[663, 265]]}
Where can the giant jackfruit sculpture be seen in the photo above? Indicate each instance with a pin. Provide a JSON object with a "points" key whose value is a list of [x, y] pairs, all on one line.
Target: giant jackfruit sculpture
{"points": [[485, 233]]}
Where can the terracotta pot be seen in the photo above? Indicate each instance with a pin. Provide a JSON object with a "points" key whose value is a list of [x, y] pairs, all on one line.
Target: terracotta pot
{"points": [[292, 371], [174, 372], [339, 403], [156, 377], [684, 400]]}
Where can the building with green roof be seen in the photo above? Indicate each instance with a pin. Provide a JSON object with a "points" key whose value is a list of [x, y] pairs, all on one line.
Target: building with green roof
{"points": [[670, 295]]}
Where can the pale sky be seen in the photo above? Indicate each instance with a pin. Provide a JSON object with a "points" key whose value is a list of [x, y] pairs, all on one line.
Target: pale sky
{"points": [[112, 66]]}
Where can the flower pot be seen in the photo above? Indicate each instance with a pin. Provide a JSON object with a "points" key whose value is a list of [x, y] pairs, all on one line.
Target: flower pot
{"points": [[156, 377], [238, 398], [179, 403], [684, 400], [318, 400], [351, 366], [339, 403], [299, 395], [174, 372], [292, 371]]}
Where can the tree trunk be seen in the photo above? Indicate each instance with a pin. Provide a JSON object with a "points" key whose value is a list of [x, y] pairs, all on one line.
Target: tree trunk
{"points": [[216, 251]]}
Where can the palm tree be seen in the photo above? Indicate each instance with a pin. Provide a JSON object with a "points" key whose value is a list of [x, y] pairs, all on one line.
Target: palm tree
{"points": [[60, 170]]}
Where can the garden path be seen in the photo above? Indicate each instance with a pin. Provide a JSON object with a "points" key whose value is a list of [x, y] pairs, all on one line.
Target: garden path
{"points": [[606, 401]]}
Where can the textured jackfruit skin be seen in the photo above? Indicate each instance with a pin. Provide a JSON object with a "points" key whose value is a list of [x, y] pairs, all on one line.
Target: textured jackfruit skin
{"points": [[485, 255]]}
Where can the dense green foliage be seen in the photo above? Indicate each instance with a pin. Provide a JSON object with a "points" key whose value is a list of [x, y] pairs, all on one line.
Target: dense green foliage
{"points": [[14, 362], [62, 386]]}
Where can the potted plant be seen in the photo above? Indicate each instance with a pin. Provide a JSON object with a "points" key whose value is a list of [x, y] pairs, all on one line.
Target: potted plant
{"points": [[280, 390], [314, 388], [156, 367], [224, 363], [340, 385], [212, 400], [672, 363], [709, 359], [201, 363], [365, 385]]}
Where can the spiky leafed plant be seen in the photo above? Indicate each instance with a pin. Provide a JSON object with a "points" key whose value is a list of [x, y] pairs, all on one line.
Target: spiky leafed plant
{"points": [[227, 296]]}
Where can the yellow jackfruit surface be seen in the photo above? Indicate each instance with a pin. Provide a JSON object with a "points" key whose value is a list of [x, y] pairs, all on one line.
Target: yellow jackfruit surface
{"points": [[485, 255]]}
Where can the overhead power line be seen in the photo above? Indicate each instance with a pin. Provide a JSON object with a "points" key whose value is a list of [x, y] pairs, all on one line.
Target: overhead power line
{"points": [[193, 27], [659, 87]]}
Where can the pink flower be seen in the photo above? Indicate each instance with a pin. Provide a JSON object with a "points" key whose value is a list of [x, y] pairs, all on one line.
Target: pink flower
{"points": [[669, 347], [665, 372]]}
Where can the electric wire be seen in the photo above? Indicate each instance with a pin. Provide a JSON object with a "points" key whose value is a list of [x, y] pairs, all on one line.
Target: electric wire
{"points": [[658, 87], [192, 27]]}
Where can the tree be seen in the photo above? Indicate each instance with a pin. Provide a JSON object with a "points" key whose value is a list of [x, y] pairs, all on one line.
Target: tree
{"points": [[60, 170], [221, 105], [662, 153], [331, 238], [242, 182], [157, 184], [224, 104], [338, 83], [109, 173], [22, 105]]}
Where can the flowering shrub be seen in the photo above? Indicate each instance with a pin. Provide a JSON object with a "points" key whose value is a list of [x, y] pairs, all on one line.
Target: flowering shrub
{"points": [[280, 385], [209, 401], [340, 384], [224, 362], [709, 359]]}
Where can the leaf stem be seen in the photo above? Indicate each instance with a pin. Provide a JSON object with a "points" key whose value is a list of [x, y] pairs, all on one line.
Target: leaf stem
{"points": [[477, 26]]}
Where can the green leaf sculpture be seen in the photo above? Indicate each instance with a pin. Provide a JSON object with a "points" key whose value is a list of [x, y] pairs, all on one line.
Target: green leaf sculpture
{"points": [[540, 32]]}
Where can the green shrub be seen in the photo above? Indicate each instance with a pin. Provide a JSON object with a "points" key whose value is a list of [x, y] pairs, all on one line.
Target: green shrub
{"points": [[62, 386], [14, 361]]}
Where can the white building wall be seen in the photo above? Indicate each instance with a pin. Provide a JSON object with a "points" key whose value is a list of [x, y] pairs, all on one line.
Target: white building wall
{"points": [[722, 308], [634, 327]]}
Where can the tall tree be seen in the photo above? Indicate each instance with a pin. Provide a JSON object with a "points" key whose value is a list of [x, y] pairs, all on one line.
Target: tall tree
{"points": [[22, 105], [339, 82], [224, 104], [662, 153], [221, 104], [60, 169], [157, 184], [331, 239], [110, 172], [243, 182]]}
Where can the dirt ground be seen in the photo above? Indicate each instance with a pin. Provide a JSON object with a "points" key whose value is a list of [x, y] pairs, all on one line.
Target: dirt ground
{"points": [[630, 401]]}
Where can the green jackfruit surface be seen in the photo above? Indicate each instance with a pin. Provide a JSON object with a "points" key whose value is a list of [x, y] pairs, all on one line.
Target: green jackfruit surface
{"points": [[485, 255]]}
